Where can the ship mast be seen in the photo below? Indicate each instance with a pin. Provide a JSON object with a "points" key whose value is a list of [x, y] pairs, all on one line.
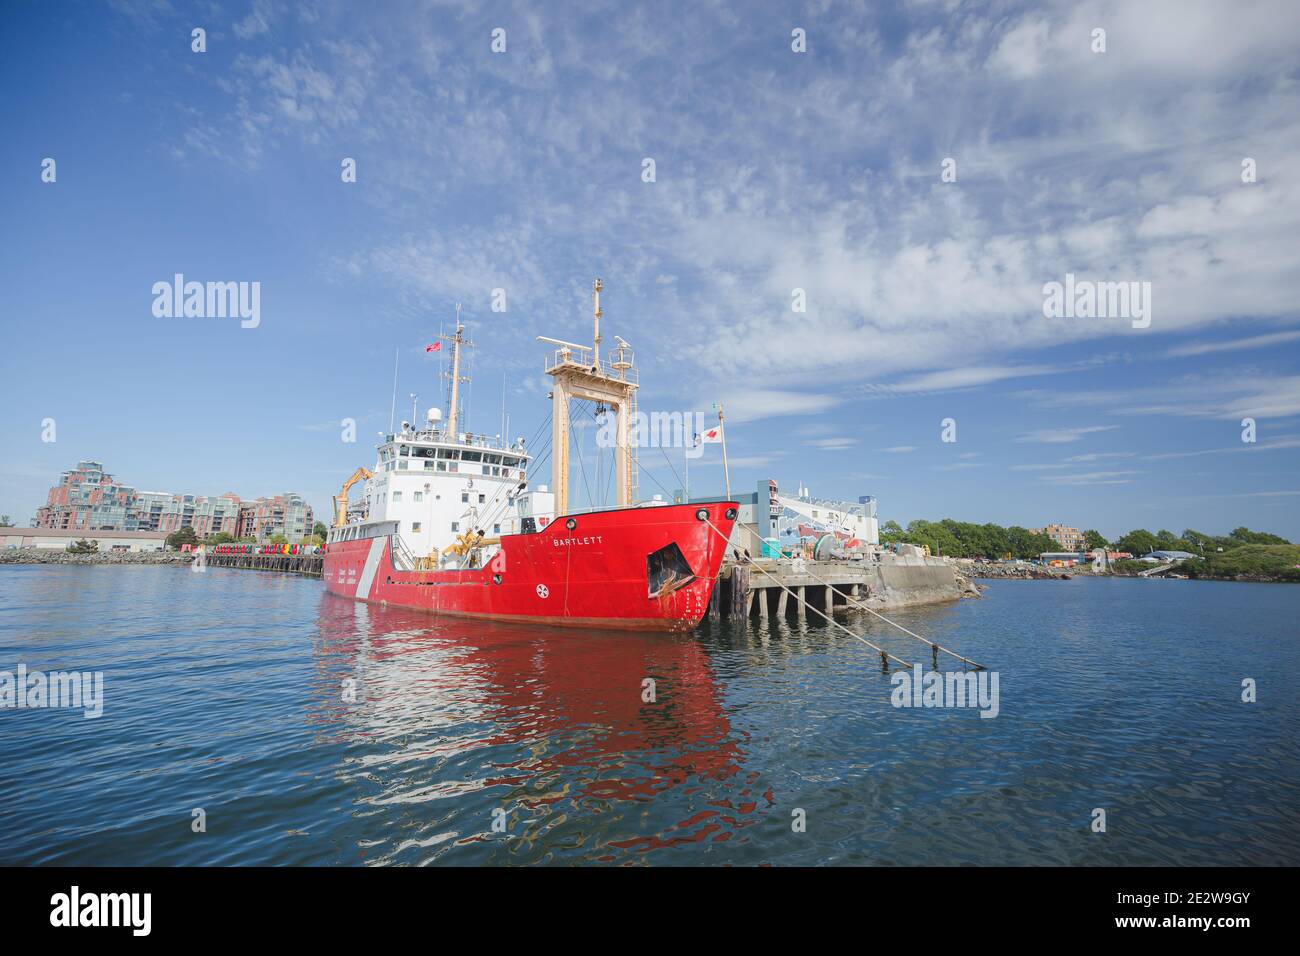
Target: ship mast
{"points": [[457, 340], [596, 314], [579, 373]]}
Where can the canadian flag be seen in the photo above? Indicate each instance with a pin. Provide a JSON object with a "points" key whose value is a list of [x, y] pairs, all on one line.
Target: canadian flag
{"points": [[435, 347], [714, 434]]}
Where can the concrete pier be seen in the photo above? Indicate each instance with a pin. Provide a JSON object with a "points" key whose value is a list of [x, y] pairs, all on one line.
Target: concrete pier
{"points": [[890, 582]]}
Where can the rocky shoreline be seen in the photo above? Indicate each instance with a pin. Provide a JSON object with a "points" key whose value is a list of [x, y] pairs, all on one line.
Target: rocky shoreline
{"points": [[1023, 572], [50, 556]]}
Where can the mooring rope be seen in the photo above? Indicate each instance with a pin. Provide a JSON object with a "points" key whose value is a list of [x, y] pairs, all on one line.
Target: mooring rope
{"points": [[935, 647]]}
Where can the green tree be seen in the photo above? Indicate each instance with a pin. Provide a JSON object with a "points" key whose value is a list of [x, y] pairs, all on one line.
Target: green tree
{"points": [[5, 522], [182, 537], [1246, 536], [83, 546], [1138, 542], [320, 530], [1093, 540], [221, 537], [279, 539]]}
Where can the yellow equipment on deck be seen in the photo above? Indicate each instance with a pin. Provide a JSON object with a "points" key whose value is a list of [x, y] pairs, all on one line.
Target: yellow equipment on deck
{"points": [[341, 500]]}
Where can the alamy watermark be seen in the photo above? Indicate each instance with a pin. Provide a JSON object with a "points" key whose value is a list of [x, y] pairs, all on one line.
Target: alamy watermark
{"points": [[1085, 299], [30, 690], [921, 688], [208, 300], [75, 908], [655, 430]]}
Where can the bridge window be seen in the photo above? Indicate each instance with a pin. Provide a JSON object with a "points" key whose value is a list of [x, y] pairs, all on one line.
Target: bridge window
{"points": [[397, 497], [415, 527], [419, 496], [455, 526]]}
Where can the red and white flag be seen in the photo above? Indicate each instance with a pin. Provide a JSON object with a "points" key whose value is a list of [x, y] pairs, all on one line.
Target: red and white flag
{"points": [[435, 347], [714, 435]]}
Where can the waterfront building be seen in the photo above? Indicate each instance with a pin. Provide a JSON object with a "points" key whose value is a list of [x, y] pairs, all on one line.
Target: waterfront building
{"points": [[58, 540], [89, 499], [287, 514], [1069, 539], [1162, 557]]}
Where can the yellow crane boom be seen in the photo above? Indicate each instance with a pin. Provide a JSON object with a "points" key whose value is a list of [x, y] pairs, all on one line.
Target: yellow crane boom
{"points": [[341, 500]]}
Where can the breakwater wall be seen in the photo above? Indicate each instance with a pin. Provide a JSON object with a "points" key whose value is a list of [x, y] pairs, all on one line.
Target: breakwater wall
{"points": [[54, 556]]}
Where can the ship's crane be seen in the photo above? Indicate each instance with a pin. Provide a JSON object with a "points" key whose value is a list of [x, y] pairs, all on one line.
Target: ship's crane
{"points": [[341, 499]]}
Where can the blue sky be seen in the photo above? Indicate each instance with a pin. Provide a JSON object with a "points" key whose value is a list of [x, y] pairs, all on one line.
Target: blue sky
{"points": [[774, 171]]}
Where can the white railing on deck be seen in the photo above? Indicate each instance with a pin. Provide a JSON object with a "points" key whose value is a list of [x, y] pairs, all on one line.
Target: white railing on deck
{"points": [[403, 559], [580, 357]]}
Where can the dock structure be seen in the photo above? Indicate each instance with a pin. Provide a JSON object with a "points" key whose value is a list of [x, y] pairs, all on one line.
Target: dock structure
{"points": [[781, 589], [308, 564]]}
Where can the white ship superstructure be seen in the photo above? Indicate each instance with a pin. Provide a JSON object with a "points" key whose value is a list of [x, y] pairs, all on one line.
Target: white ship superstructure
{"points": [[439, 490], [438, 486]]}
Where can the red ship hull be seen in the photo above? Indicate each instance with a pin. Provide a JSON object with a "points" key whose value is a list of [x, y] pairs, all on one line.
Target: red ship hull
{"points": [[604, 569]]}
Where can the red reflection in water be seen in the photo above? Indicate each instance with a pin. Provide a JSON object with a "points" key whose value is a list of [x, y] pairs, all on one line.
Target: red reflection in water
{"points": [[574, 699]]}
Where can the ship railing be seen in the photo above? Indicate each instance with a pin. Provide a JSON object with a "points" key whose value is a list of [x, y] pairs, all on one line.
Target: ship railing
{"points": [[403, 559], [580, 356], [471, 440]]}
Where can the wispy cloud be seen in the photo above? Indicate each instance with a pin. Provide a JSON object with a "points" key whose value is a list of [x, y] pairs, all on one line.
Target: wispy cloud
{"points": [[1060, 436], [1234, 345], [1276, 444], [1099, 456], [1094, 478], [832, 444], [753, 404], [901, 273]]}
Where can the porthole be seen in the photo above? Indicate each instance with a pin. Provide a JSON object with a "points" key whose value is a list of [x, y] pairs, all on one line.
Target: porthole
{"points": [[571, 523]]}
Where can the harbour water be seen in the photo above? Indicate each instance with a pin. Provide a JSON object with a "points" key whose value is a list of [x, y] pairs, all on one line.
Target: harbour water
{"points": [[229, 692]]}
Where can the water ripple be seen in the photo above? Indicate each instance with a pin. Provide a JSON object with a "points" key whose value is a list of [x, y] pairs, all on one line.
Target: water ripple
{"points": [[313, 730]]}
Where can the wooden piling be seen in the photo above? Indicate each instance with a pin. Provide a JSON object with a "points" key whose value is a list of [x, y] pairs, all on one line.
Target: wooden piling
{"points": [[739, 592]]}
